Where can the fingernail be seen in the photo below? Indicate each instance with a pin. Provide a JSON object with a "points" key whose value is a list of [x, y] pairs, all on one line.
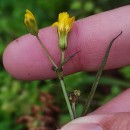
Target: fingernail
{"points": [[90, 126]]}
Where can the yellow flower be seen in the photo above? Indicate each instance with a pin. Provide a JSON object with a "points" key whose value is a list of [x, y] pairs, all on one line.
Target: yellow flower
{"points": [[64, 25], [31, 23]]}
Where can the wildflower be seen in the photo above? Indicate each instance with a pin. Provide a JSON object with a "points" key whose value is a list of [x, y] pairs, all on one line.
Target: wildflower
{"points": [[31, 23], [64, 25]]}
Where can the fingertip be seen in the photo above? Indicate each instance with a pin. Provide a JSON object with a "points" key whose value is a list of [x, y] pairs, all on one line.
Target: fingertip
{"points": [[86, 126], [91, 122], [24, 59]]}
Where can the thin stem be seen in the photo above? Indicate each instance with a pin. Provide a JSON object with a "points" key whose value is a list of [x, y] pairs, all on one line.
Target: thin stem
{"points": [[67, 59], [46, 52], [63, 57], [98, 75], [74, 109], [65, 95], [60, 76]]}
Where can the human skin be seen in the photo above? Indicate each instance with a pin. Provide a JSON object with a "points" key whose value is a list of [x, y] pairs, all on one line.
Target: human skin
{"points": [[24, 59]]}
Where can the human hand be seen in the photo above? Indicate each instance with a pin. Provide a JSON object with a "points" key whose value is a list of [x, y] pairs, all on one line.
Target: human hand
{"points": [[114, 115], [24, 58]]}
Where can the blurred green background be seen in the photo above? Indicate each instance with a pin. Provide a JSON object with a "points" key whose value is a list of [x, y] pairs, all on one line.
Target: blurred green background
{"points": [[17, 97]]}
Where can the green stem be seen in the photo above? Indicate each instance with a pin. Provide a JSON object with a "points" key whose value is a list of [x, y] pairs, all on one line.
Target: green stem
{"points": [[65, 95], [63, 57], [46, 52], [74, 109], [60, 76], [98, 75]]}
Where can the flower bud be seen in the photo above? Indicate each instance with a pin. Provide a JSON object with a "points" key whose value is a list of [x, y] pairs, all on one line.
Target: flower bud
{"points": [[64, 25], [31, 23], [74, 96]]}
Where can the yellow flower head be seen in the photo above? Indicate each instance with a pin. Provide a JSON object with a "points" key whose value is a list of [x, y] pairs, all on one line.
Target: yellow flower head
{"points": [[31, 23], [64, 25]]}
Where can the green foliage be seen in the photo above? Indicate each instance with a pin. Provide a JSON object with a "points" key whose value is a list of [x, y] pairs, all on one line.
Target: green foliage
{"points": [[17, 97], [126, 72]]}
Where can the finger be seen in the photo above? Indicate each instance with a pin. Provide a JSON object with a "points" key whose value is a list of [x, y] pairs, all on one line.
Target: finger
{"points": [[120, 103], [25, 59], [118, 121]]}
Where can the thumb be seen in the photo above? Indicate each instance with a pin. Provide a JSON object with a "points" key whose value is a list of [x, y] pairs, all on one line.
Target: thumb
{"points": [[117, 121], [82, 126]]}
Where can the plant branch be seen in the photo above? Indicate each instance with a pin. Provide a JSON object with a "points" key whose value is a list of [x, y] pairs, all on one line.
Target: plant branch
{"points": [[67, 59], [46, 52], [60, 76], [74, 109]]}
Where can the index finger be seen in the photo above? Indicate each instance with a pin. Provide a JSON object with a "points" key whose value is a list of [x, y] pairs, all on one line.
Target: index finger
{"points": [[25, 59]]}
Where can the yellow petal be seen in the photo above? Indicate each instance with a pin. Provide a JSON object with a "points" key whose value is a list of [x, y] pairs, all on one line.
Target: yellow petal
{"points": [[63, 16], [29, 13]]}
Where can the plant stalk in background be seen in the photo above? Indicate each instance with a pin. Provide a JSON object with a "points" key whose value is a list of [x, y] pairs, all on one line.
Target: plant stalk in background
{"points": [[98, 76]]}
